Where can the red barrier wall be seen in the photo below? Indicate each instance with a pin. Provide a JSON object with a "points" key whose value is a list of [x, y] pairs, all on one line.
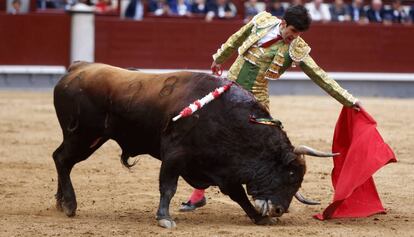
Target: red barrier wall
{"points": [[366, 48], [35, 39], [160, 43], [180, 43]]}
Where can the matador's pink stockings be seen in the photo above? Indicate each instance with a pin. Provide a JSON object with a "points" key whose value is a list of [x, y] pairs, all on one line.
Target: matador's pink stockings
{"points": [[197, 195]]}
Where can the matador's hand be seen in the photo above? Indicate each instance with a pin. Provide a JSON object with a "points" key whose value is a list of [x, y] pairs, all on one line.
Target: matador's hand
{"points": [[216, 69], [357, 105]]}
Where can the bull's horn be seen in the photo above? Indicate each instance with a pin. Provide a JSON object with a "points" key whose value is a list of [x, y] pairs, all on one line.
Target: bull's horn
{"points": [[305, 150], [304, 200]]}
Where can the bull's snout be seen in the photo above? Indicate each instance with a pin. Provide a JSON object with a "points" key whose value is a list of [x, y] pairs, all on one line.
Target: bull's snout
{"points": [[267, 208], [277, 211]]}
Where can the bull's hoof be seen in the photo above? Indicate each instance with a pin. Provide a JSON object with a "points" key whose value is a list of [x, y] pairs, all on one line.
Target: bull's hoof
{"points": [[167, 223], [59, 205], [59, 200], [69, 208], [266, 221]]}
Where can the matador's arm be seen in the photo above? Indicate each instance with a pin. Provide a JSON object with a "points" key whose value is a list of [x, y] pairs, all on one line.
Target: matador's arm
{"points": [[321, 78], [233, 43]]}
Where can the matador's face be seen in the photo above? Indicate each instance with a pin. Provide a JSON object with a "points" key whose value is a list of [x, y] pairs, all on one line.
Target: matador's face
{"points": [[289, 33]]}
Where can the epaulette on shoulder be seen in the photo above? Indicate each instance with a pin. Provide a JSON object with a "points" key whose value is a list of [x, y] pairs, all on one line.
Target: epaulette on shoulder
{"points": [[298, 49], [264, 20]]}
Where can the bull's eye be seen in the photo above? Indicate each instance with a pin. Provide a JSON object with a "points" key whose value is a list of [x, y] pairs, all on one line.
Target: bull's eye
{"points": [[292, 176]]}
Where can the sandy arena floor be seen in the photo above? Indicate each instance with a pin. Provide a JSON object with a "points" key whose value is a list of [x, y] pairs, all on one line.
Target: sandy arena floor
{"points": [[113, 201]]}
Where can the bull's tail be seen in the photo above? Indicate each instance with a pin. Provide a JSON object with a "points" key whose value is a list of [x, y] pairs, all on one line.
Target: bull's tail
{"points": [[125, 160]]}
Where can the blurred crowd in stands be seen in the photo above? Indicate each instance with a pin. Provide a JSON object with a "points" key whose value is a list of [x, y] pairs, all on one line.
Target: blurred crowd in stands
{"points": [[375, 11]]}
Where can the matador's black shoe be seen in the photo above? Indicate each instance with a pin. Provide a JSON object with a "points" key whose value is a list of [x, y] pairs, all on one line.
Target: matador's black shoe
{"points": [[188, 206]]}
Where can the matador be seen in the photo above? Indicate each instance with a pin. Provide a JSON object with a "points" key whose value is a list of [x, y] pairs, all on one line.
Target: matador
{"points": [[267, 46]]}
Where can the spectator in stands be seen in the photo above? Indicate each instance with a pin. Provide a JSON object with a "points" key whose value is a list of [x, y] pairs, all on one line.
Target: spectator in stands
{"points": [[52, 4], [250, 10], [135, 10], [159, 7], [199, 7], [276, 8], [43, 4], [71, 3], [15, 7], [339, 11], [397, 12], [318, 11], [181, 8], [103, 6], [296, 2], [86, 2], [357, 12], [222, 9], [267, 46], [376, 12], [411, 14]]}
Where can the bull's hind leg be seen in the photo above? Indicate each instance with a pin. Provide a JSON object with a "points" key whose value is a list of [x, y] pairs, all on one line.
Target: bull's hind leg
{"points": [[70, 152]]}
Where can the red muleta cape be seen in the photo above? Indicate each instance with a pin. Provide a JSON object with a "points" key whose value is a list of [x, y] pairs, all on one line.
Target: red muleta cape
{"points": [[362, 152]]}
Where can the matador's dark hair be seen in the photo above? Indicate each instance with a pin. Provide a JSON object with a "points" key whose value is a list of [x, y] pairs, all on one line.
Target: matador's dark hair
{"points": [[298, 17]]}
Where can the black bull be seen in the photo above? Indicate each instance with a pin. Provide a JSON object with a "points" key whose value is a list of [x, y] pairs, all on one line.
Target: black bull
{"points": [[215, 146]]}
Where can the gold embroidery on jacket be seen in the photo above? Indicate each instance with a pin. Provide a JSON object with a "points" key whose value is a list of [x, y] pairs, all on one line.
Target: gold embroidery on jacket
{"points": [[250, 58], [271, 75], [274, 68], [262, 22], [255, 52], [298, 49], [273, 71], [235, 68]]}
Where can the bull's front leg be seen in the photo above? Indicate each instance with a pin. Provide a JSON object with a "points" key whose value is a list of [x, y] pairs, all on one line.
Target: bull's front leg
{"points": [[168, 186], [237, 194]]}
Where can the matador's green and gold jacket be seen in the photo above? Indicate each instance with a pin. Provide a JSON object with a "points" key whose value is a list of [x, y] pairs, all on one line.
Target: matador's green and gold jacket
{"points": [[256, 65]]}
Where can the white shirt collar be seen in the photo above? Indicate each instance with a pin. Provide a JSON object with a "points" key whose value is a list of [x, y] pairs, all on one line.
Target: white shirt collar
{"points": [[273, 33]]}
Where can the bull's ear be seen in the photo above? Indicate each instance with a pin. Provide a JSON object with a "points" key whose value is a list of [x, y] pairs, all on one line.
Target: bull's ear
{"points": [[288, 158]]}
